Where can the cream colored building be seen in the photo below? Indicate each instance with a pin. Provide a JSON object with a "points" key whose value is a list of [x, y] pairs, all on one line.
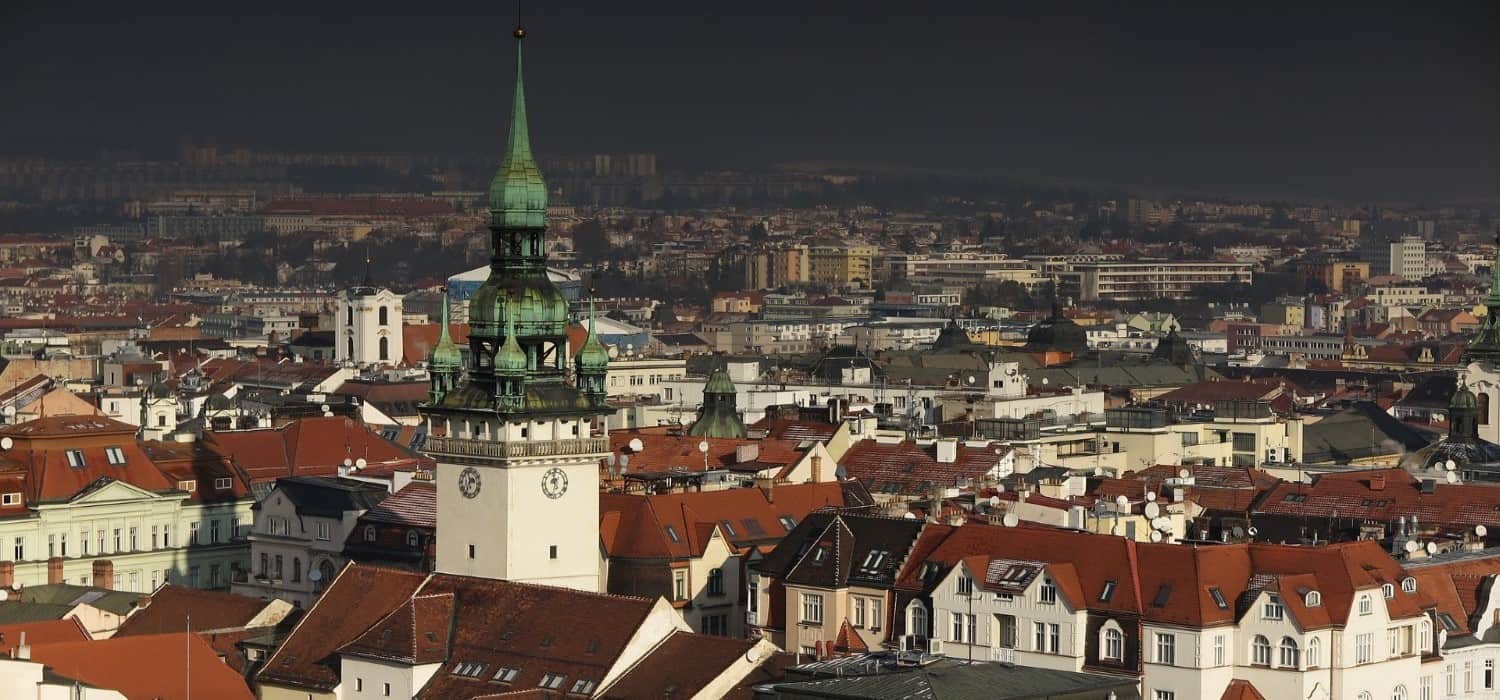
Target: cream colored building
{"points": [[367, 326]]}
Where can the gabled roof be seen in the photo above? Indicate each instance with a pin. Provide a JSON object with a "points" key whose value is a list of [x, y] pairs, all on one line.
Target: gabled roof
{"points": [[329, 496], [415, 505], [680, 667], [68, 629], [417, 632], [171, 607], [661, 450], [831, 550], [147, 667], [309, 447], [635, 525]]}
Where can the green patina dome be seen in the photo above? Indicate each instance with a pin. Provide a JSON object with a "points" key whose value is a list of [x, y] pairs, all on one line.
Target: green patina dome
{"points": [[537, 306], [593, 356], [719, 383], [518, 194], [445, 355], [1463, 398]]}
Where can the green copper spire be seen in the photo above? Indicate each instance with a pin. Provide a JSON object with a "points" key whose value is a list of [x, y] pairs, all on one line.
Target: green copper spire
{"points": [[518, 194], [445, 355], [720, 417], [1486, 343], [510, 359], [592, 356]]}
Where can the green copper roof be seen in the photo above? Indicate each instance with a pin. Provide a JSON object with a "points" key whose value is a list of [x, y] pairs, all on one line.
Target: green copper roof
{"points": [[445, 354], [518, 194], [1486, 342], [592, 356], [719, 383], [510, 359]]}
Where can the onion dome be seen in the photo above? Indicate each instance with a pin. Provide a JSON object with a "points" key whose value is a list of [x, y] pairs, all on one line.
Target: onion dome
{"points": [[445, 355], [592, 357]]}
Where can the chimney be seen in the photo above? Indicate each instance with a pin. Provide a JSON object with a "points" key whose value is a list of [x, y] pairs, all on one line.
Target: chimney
{"points": [[947, 450], [55, 570], [1377, 482], [104, 574], [817, 469], [7, 574], [23, 650], [746, 453], [767, 486]]}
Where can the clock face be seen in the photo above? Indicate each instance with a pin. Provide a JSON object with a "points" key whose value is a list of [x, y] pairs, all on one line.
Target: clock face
{"points": [[468, 482], [554, 483]]}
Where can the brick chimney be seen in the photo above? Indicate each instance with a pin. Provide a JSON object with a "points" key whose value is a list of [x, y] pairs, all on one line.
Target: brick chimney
{"points": [[7, 574], [817, 469], [104, 574], [55, 570]]}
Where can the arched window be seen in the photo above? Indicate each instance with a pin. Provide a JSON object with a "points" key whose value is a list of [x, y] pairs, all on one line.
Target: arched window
{"points": [[348, 315], [411, 538], [296, 570], [1289, 653], [385, 319], [1314, 652], [1399, 693], [1365, 606], [1313, 599], [1388, 590], [1113, 643], [1365, 695], [1409, 584], [326, 572], [1425, 640], [369, 533], [1260, 651], [1483, 405], [917, 619], [385, 348], [349, 349]]}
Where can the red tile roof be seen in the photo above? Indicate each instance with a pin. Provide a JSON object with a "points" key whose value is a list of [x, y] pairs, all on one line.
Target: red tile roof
{"points": [[309, 447], [1239, 689], [415, 504], [170, 608], [911, 469], [662, 450], [68, 629], [680, 667], [418, 339], [634, 525], [1350, 494], [148, 667]]}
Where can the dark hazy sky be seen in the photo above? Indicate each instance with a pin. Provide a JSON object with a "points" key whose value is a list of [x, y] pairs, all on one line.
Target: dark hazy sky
{"points": [[1350, 100]]}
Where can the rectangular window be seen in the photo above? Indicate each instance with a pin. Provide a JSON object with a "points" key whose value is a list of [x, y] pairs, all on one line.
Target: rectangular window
{"points": [[1048, 591], [192, 534], [115, 455], [1244, 442], [1164, 695], [153, 536], [118, 541], [223, 483], [20, 544], [679, 585], [1364, 644], [875, 611], [1489, 674], [166, 535], [10, 499], [213, 531], [1273, 609], [75, 459], [958, 627], [1166, 648], [62, 549], [859, 612], [1108, 592], [51, 546], [752, 595], [134, 541], [1393, 641], [1424, 688], [1468, 676], [965, 585], [812, 608], [325, 532], [552, 681]]}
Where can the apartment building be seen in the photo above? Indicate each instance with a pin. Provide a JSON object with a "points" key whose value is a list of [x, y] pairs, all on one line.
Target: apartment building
{"points": [[964, 268], [1139, 281], [840, 266], [297, 543]]}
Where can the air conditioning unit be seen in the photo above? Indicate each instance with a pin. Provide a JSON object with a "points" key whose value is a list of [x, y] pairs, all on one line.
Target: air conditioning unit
{"points": [[934, 646], [1276, 455]]}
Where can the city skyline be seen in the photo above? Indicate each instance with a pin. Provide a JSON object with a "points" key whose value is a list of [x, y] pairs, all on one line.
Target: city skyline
{"points": [[1379, 106]]}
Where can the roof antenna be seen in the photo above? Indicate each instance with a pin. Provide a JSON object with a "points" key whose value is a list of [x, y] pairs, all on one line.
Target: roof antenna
{"points": [[367, 265]]}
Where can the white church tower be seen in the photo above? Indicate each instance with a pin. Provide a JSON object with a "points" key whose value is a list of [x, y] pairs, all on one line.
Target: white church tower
{"points": [[518, 446], [367, 325]]}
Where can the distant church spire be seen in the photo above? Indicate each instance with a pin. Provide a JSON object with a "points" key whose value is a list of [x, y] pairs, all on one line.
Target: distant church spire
{"points": [[518, 194]]}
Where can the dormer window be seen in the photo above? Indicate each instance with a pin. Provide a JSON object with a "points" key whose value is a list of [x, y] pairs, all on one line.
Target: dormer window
{"points": [[369, 533], [1313, 599], [506, 674], [1409, 585], [1388, 590], [190, 485], [223, 483]]}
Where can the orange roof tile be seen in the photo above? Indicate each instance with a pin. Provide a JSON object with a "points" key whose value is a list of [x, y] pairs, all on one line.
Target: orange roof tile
{"points": [[147, 667]]}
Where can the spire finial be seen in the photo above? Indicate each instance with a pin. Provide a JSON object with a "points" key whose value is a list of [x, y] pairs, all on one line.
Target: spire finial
{"points": [[368, 283]]}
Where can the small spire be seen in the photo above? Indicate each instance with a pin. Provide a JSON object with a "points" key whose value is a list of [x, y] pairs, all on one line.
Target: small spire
{"points": [[368, 283]]}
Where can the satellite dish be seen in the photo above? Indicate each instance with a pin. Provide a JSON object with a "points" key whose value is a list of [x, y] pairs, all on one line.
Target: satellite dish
{"points": [[1431, 548], [1411, 546], [970, 379], [1481, 530], [636, 445], [1044, 380], [1251, 531], [1122, 501], [4, 594], [1155, 535], [995, 501], [1452, 477], [1150, 495], [703, 446], [1184, 474], [1011, 520], [315, 576], [348, 462], [1449, 465], [6, 443], [360, 463], [1153, 510], [910, 515], [324, 407]]}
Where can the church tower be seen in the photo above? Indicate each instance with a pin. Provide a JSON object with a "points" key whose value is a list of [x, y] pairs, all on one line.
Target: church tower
{"points": [[367, 325], [517, 444], [720, 417], [1481, 361]]}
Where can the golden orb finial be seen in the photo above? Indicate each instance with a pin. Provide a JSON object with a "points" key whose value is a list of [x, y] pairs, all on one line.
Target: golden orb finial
{"points": [[520, 33]]}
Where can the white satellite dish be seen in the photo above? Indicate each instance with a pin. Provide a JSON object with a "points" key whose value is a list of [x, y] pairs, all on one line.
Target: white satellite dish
{"points": [[1431, 548], [1122, 501], [1452, 477], [1150, 495], [970, 379], [1011, 520], [4, 594], [1411, 546], [703, 446], [360, 463], [995, 501], [1184, 474], [1156, 535], [324, 408], [1481, 530], [636, 445], [1450, 465], [315, 576], [910, 515], [1152, 510], [6, 443], [1044, 380], [1252, 532], [348, 462]]}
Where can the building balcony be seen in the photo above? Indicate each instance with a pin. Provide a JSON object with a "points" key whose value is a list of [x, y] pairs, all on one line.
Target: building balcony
{"points": [[459, 447]]}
